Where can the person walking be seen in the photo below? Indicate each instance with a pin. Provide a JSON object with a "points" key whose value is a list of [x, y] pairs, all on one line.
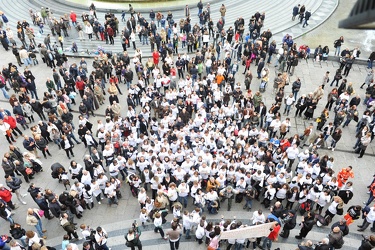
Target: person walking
{"points": [[69, 227], [307, 17], [369, 78], [132, 237], [33, 218], [14, 183], [6, 196], [273, 236]]}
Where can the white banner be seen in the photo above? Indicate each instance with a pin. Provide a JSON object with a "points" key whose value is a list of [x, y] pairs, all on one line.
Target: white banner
{"points": [[247, 232]]}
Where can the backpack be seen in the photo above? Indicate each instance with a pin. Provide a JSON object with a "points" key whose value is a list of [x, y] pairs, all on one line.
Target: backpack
{"points": [[340, 211], [338, 243]]}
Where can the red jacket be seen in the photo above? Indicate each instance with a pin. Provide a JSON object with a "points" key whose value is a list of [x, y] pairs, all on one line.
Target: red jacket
{"points": [[80, 85], [73, 17], [11, 121], [5, 194], [110, 31]]}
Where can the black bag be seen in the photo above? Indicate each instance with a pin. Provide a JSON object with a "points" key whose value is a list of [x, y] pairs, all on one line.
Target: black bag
{"points": [[340, 211], [338, 243], [239, 197]]}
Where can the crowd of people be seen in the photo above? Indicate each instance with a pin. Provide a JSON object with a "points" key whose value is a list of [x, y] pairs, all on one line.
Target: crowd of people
{"points": [[187, 137]]}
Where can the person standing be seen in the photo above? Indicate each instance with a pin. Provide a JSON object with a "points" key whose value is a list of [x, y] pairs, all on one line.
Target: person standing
{"points": [[132, 237], [336, 240], [295, 11], [307, 224], [368, 243], [222, 10], [290, 221], [101, 237], [337, 44], [174, 236], [365, 141], [371, 58]]}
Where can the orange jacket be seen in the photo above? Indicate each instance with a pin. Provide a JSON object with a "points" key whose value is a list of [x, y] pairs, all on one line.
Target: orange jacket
{"points": [[344, 174]]}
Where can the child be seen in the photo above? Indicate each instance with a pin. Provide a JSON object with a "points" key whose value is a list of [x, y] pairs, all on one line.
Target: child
{"points": [[199, 233], [65, 179], [186, 223], [143, 216], [149, 205], [183, 40], [65, 242], [74, 47], [21, 120], [195, 217], [33, 57], [88, 234], [177, 211], [158, 224]]}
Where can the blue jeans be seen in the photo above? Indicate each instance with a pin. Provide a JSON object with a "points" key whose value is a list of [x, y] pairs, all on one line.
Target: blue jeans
{"points": [[267, 243], [295, 93], [34, 94], [370, 199], [183, 200], [337, 51], [10, 219], [104, 247], [39, 228], [369, 64], [208, 70], [5, 93], [238, 246], [287, 109], [144, 40], [249, 203], [27, 61]]}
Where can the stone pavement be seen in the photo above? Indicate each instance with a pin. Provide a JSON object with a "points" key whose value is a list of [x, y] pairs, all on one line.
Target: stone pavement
{"points": [[278, 19], [116, 220]]}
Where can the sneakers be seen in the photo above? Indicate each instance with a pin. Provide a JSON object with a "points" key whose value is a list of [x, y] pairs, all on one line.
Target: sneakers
{"points": [[44, 237], [333, 149], [24, 195], [23, 202], [99, 202]]}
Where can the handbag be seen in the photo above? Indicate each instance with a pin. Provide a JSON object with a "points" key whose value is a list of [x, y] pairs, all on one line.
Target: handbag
{"points": [[28, 171], [40, 213]]}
